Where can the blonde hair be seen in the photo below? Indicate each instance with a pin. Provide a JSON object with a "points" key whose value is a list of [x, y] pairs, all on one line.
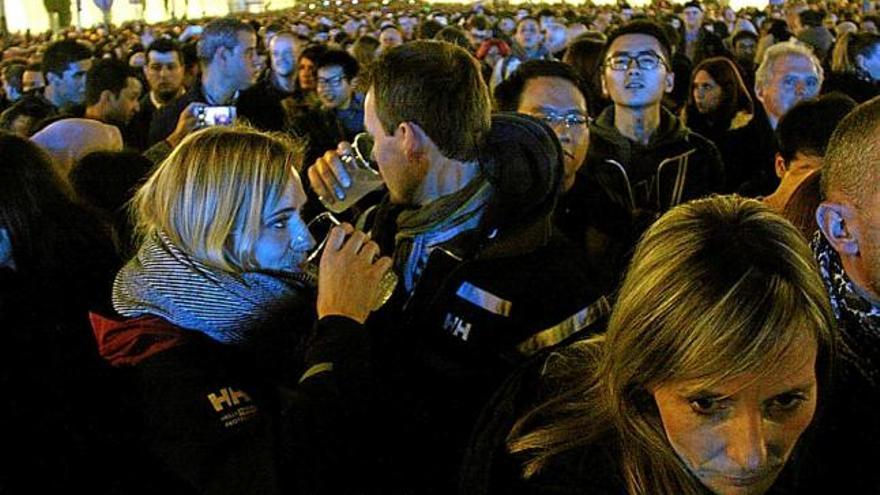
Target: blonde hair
{"points": [[848, 47], [841, 62], [208, 196], [717, 288]]}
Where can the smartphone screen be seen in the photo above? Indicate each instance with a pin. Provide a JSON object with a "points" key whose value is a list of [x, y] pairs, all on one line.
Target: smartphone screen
{"points": [[224, 115]]}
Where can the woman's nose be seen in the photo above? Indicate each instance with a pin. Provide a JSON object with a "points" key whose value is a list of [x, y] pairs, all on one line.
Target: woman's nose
{"points": [[302, 239], [747, 445]]}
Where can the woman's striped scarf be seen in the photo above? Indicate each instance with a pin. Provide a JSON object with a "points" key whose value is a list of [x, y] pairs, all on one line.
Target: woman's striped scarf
{"points": [[164, 281]]}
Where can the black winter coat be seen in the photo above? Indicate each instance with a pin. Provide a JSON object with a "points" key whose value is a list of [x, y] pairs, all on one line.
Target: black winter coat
{"points": [[215, 423], [486, 300]]}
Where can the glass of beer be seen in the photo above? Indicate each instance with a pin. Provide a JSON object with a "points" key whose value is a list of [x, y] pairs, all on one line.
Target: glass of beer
{"points": [[364, 173], [320, 227]]}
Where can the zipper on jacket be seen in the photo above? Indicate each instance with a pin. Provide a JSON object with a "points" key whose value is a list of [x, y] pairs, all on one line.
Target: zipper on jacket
{"points": [[681, 173], [632, 198]]}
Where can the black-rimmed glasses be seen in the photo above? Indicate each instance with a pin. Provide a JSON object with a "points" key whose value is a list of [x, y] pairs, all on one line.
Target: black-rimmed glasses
{"points": [[644, 61], [569, 119]]}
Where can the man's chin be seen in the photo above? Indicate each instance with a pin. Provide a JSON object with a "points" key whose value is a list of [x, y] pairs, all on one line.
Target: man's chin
{"points": [[167, 94]]}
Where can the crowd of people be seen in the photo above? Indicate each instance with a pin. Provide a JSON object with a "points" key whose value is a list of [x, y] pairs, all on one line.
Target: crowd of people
{"points": [[458, 249]]}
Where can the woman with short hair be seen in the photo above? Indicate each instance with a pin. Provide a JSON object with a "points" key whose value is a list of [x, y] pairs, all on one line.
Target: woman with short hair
{"points": [[715, 360], [212, 307]]}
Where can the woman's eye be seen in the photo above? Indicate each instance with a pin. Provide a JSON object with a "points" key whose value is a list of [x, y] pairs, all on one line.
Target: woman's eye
{"points": [[279, 224], [787, 402], [706, 405]]}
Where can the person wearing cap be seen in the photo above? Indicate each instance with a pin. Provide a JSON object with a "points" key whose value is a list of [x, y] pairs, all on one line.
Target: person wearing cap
{"points": [[697, 41], [814, 34], [693, 24], [484, 282]]}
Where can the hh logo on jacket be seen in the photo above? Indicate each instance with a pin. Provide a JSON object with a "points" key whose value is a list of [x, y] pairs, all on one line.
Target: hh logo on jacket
{"points": [[457, 326], [237, 405]]}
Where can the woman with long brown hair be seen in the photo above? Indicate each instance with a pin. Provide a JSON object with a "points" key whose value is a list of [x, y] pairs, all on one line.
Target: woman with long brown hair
{"points": [[718, 100]]}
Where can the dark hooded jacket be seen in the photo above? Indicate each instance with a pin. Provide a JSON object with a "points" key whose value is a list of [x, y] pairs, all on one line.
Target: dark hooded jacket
{"points": [[485, 300], [624, 186]]}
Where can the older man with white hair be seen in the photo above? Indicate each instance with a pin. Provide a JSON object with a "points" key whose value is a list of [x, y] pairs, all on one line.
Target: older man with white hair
{"points": [[789, 73]]}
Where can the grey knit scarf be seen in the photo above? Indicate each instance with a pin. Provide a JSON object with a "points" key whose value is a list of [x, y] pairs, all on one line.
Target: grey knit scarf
{"points": [[164, 281]]}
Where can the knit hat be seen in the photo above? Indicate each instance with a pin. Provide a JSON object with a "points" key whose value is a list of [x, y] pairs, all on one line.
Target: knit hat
{"points": [[523, 159], [694, 4]]}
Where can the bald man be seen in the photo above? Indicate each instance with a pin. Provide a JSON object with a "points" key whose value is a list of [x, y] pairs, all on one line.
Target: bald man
{"points": [[848, 252]]}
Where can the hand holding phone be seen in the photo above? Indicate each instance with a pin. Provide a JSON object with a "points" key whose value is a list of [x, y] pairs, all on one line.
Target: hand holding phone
{"points": [[216, 115]]}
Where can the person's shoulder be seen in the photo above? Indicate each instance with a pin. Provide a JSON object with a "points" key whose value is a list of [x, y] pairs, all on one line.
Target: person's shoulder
{"points": [[261, 92], [700, 142], [740, 120]]}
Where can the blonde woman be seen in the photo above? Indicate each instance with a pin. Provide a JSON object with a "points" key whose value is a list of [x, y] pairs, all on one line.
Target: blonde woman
{"points": [[213, 289], [713, 365], [855, 66]]}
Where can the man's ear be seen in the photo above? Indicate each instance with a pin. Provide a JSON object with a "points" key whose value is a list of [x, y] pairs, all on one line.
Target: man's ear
{"points": [[832, 220], [780, 166], [414, 140], [670, 81], [107, 97], [221, 53], [860, 62], [604, 88], [759, 93], [52, 78]]}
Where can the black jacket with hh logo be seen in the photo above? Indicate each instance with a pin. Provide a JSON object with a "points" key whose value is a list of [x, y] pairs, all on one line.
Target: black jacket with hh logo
{"points": [[216, 422], [485, 300]]}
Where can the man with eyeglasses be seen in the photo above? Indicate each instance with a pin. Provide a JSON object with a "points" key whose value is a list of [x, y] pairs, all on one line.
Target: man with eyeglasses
{"points": [[642, 160], [341, 114], [551, 91], [230, 63]]}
